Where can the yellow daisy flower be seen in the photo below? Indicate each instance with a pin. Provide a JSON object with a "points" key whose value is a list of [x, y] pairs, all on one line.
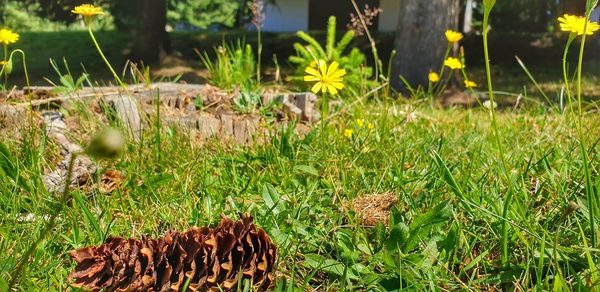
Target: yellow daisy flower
{"points": [[88, 10], [454, 63], [434, 77], [470, 84], [329, 79], [453, 36], [576, 25], [360, 123], [371, 126], [348, 133], [8, 37]]}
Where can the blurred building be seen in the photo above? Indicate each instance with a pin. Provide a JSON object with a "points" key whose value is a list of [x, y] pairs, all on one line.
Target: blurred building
{"points": [[596, 15], [294, 15]]}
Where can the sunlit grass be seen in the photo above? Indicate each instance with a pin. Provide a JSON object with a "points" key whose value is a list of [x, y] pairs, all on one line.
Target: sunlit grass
{"points": [[313, 176]]}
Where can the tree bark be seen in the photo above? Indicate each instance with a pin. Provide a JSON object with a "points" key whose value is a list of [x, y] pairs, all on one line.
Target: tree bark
{"points": [[576, 7], [420, 42], [151, 37], [468, 21]]}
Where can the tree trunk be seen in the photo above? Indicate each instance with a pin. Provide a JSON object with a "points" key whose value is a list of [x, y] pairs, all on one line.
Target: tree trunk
{"points": [[420, 42], [151, 37], [576, 7], [468, 21], [241, 14]]}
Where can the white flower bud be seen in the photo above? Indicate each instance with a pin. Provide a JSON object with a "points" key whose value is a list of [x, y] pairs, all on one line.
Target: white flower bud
{"points": [[107, 144]]}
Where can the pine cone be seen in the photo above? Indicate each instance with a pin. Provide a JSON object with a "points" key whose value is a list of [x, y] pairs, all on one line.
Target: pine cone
{"points": [[210, 259]]}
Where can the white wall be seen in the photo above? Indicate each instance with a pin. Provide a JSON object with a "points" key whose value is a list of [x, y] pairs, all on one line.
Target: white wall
{"points": [[292, 15], [596, 15], [388, 20], [287, 16]]}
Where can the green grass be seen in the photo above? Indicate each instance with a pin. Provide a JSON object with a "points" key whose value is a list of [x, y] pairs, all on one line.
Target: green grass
{"points": [[446, 229]]}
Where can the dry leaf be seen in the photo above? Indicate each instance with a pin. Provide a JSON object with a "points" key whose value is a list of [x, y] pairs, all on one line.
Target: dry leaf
{"points": [[110, 181]]}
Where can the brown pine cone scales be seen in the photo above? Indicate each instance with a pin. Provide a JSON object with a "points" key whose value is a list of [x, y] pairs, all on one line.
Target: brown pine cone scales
{"points": [[204, 259]]}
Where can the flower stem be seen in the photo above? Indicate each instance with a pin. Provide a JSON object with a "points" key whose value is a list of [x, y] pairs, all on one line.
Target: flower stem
{"points": [[24, 68], [507, 202], [588, 183], [442, 86], [566, 73], [445, 57], [115, 75], [5, 60], [259, 53]]}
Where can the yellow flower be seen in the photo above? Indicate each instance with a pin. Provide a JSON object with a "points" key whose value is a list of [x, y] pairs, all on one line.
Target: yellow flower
{"points": [[88, 10], [348, 133], [576, 25], [434, 77], [8, 37], [454, 63], [453, 36], [360, 123], [371, 126], [470, 84], [329, 79]]}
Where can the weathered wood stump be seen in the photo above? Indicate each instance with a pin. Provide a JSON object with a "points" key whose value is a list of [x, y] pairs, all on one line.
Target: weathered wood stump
{"points": [[205, 110], [83, 169]]}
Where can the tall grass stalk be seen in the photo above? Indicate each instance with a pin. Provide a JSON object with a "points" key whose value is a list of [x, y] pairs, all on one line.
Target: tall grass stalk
{"points": [[259, 55], [588, 181], [533, 80], [488, 7], [374, 51], [16, 273]]}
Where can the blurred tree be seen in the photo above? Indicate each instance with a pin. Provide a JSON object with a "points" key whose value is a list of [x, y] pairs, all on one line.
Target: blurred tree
{"points": [[576, 7], [420, 41], [148, 18], [124, 14], [202, 13], [525, 16], [151, 38]]}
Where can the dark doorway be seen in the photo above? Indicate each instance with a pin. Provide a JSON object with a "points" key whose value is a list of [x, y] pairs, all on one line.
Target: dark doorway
{"points": [[320, 11]]}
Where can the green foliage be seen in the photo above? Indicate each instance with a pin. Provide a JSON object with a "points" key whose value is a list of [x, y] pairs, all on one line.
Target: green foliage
{"points": [[521, 16], [29, 15], [354, 62], [247, 102], [21, 17], [297, 189], [68, 84], [233, 66], [202, 13]]}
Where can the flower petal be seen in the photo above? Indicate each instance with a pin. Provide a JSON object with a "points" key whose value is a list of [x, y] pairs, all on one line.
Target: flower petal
{"points": [[338, 85], [312, 71], [323, 67], [338, 74], [332, 89], [317, 87], [332, 68], [310, 78]]}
